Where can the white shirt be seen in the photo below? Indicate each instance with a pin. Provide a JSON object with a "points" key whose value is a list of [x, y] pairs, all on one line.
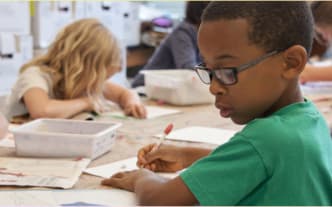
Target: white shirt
{"points": [[32, 77]]}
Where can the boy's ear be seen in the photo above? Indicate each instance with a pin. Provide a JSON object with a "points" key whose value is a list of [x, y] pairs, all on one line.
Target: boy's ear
{"points": [[295, 58]]}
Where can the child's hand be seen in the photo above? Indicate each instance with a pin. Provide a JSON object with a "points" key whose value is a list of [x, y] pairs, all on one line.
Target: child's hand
{"points": [[136, 109], [166, 158], [127, 180], [307, 74], [89, 104]]}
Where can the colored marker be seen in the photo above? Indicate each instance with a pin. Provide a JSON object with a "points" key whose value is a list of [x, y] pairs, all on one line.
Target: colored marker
{"points": [[167, 130]]}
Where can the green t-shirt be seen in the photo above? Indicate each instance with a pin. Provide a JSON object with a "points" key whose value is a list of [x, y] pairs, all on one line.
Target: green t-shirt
{"points": [[283, 159]]}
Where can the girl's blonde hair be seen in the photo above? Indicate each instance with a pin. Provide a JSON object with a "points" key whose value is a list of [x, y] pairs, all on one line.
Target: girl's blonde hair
{"points": [[79, 59]]}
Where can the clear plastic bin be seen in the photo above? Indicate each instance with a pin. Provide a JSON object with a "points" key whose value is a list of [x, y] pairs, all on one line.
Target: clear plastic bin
{"points": [[179, 87], [64, 138]]}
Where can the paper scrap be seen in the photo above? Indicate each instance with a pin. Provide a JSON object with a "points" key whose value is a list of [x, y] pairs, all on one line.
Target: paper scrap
{"points": [[109, 197], [152, 112], [60, 173], [201, 134], [319, 87], [7, 142], [110, 169]]}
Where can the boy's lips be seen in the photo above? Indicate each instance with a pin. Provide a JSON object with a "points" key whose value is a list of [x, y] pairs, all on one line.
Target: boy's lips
{"points": [[224, 111]]}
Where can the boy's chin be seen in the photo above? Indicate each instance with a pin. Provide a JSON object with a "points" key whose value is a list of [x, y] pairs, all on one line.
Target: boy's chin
{"points": [[240, 121]]}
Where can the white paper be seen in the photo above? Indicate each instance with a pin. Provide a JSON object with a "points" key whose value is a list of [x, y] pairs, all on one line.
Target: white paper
{"points": [[323, 63], [319, 87], [111, 197], [152, 112], [7, 142], [319, 97], [61, 173], [13, 126], [110, 169], [201, 134]]}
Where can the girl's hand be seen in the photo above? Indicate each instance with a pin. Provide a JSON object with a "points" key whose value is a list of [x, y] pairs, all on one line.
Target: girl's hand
{"points": [[89, 104], [135, 109], [306, 74], [128, 100]]}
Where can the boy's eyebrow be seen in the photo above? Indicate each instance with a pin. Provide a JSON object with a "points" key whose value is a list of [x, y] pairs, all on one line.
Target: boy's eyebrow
{"points": [[222, 57]]}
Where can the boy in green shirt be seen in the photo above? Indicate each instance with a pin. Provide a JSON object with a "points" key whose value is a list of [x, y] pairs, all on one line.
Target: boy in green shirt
{"points": [[253, 53]]}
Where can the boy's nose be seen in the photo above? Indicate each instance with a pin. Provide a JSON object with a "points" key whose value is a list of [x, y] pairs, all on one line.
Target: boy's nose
{"points": [[217, 88]]}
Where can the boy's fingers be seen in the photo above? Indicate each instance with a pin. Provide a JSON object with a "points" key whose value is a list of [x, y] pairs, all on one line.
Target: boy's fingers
{"points": [[140, 164], [153, 167], [142, 153], [141, 156], [111, 182], [149, 167], [118, 175], [147, 149], [151, 156]]}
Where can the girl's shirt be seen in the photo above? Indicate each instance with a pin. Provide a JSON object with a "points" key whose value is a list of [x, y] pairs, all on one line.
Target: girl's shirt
{"points": [[32, 77]]}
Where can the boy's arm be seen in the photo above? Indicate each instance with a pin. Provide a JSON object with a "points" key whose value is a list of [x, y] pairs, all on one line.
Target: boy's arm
{"points": [[169, 158], [128, 100], [39, 105], [151, 189]]}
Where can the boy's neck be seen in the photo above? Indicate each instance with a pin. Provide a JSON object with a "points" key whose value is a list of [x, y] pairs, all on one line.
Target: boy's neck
{"points": [[291, 95]]}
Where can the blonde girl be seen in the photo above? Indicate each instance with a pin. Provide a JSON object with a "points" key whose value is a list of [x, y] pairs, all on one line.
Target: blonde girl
{"points": [[72, 76]]}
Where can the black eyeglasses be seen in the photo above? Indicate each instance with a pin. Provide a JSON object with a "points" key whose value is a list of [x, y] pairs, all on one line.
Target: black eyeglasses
{"points": [[227, 75]]}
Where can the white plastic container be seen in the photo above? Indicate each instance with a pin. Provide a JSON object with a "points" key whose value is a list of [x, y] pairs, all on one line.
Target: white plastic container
{"points": [[64, 138], [179, 87]]}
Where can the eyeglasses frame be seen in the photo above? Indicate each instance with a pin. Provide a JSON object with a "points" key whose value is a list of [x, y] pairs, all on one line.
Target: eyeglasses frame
{"points": [[235, 70]]}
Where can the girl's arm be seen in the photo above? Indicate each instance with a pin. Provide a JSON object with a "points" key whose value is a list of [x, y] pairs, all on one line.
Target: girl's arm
{"points": [[316, 73], [128, 100], [39, 105]]}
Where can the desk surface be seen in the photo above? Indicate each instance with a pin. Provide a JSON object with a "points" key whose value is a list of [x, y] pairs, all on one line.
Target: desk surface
{"points": [[135, 134]]}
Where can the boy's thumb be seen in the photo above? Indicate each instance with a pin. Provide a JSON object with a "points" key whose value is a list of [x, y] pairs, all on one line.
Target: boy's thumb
{"points": [[152, 156]]}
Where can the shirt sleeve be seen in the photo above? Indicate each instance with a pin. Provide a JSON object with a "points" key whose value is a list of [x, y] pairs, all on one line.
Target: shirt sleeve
{"points": [[31, 78], [184, 49], [227, 175]]}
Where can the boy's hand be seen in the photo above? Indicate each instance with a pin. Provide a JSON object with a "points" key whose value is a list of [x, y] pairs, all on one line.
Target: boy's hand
{"points": [[135, 109], [127, 180], [166, 158]]}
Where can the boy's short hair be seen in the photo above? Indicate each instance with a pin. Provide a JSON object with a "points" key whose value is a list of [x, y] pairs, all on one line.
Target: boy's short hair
{"points": [[273, 25], [322, 12]]}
